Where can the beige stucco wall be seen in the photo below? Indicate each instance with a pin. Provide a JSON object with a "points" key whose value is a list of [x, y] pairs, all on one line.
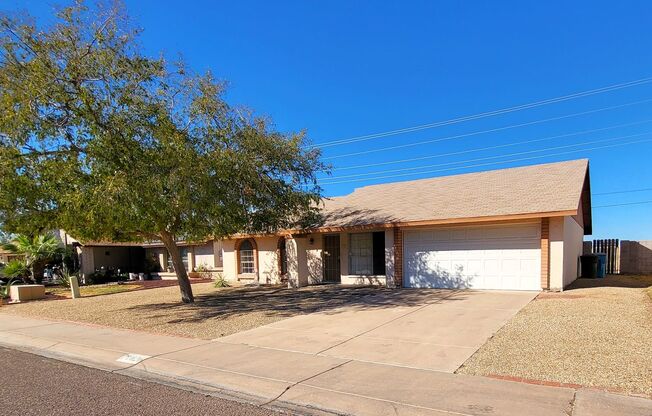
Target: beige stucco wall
{"points": [[87, 260], [305, 264], [229, 270], [556, 253], [565, 247], [573, 238], [267, 271], [311, 267]]}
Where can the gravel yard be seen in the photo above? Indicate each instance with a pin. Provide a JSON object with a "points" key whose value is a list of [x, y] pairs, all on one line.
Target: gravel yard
{"points": [[215, 313], [598, 334]]}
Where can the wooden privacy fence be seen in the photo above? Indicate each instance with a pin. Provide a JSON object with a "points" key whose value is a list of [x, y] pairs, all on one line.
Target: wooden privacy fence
{"points": [[610, 247]]}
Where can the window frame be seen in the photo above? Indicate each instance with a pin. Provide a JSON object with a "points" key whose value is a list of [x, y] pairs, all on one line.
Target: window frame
{"points": [[251, 261], [375, 249]]}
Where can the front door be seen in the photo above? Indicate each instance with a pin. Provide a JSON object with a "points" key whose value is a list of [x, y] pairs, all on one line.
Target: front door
{"points": [[332, 258]]}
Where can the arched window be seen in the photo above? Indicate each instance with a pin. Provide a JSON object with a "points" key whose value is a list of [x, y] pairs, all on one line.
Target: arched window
{"points": [[246, 255]]}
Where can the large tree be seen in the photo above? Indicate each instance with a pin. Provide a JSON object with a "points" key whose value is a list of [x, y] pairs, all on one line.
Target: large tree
{"points": [[108, 143]]}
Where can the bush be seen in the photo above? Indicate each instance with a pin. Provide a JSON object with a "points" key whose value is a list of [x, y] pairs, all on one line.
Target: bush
{"points": [[63, 279], [203, 272], [4, 289], [101, 277], [16, 269], [220, 281]]}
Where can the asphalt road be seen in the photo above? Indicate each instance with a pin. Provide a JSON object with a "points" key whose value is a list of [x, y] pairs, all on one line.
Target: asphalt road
{"points": [[35, 385]]}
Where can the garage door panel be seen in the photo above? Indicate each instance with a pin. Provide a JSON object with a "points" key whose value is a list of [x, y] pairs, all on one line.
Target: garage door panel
{"points": [[474, 257]]}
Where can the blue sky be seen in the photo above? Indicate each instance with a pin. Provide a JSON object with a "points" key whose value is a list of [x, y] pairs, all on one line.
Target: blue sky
{"points": [[343, 69]]}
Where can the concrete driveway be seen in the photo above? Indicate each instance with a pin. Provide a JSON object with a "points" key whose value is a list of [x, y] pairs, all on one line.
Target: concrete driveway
{"points": [[437, 330]]}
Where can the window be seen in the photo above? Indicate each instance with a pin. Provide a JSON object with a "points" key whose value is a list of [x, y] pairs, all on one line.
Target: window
{"points": [[183, 251], [246, 252], [367, 253]]}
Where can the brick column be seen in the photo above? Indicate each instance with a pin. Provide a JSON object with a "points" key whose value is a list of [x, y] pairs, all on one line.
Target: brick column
{"points": [[398, 257], [545, 253]]}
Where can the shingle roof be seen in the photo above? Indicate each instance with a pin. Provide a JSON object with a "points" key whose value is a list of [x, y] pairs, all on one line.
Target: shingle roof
{"points": [[544, 188]]}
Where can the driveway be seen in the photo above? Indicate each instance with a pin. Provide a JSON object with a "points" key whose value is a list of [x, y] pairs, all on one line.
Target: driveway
{"points": [[437, 330]]}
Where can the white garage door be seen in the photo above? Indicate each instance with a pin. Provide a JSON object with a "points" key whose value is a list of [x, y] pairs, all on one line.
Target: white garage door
{"points": [[506, 257]]}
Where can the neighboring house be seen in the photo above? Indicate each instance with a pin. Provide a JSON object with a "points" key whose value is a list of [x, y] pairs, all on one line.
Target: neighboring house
{"points": [[511, 229], [130, 257], [6, 256]]}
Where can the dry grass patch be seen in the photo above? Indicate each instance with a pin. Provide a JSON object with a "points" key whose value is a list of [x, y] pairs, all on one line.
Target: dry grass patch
{"points": [[597, 334], [143, 310], [216, 312], [94, 290]]}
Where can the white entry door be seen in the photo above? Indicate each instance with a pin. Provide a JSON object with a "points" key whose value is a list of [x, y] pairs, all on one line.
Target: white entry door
{"points": [[505, 257]]}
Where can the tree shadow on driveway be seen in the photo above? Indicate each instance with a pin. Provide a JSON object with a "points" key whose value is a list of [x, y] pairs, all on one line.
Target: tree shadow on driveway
{"points": [[282, 302]]}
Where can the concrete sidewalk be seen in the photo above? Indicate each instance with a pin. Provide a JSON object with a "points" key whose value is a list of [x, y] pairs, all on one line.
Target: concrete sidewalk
{"points": [[305, 382]]}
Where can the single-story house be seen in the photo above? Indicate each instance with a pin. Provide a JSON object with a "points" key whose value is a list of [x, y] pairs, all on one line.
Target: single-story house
{"points": [[510, 229], [6, 256], [96, 256]]}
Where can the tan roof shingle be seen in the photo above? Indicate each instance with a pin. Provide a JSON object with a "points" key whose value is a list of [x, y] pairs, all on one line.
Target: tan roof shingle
{"points": [[544, 188]]}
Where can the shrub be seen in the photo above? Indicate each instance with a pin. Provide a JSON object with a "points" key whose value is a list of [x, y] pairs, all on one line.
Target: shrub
{"points": [[16, 269], [63, 279], [5, 289], [220, 281], [203, 272]]}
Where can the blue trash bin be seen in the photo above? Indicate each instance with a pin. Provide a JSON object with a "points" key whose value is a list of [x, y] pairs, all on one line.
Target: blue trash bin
{"points": [[602, 264]]}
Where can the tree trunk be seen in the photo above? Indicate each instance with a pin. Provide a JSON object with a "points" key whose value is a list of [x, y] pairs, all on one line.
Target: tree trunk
{"points": [[179, 268]]}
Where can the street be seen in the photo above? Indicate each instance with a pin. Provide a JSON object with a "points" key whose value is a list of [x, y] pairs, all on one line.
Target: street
{"points": [[34, 385]]}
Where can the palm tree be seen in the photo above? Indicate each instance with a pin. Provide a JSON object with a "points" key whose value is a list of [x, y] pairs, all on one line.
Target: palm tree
{"points": [[34, 250]]}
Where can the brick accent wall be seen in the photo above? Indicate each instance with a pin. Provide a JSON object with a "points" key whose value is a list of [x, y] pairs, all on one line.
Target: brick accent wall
{"points": [[545, 253], [398, 257]]}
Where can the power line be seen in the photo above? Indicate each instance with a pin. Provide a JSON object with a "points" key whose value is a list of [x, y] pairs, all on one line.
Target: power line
{"points": [[487, 164], [623, 192], [475, 133], [623, 204], [488, 157], [478, 149], [486, 114]]}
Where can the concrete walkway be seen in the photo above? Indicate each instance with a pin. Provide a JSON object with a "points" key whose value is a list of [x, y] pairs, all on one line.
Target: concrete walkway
{"points": [[298, 380]]}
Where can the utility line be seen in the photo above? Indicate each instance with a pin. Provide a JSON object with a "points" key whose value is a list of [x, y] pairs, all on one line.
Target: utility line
{"points": [[623, 204], [487, 157], [623, 192], [475, 133], [492, 113], [478, 149], [489, 163]]}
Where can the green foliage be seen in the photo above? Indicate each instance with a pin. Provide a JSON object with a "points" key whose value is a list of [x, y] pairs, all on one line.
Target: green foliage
{"points": [[63, 279], [34, 250], [101, 277], [110, 144], [15, 269], [204, 272], [220, 281], [5, 289], [151, 266]]}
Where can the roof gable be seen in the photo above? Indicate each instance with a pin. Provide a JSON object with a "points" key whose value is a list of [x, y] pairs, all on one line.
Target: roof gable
{"points": [[537, 189]]}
